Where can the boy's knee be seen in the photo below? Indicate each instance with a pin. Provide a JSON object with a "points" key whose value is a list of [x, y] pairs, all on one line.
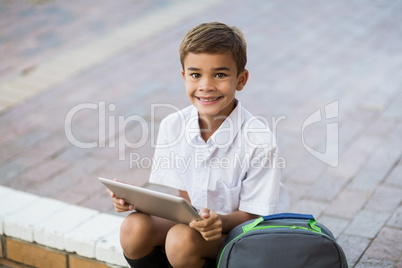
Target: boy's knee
{"points": [[180, 248], [135, 223], [178, 237], [135, 230]]}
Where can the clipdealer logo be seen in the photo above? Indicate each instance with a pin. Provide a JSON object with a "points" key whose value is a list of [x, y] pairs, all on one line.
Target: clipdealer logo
{"points": [[331, 154], [111, 130]]}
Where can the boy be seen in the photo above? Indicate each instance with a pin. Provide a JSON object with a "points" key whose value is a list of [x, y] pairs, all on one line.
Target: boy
{"points": [[231, 174]]}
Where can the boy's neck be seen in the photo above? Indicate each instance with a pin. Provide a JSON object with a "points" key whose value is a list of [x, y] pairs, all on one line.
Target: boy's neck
{"points": [[209, 124]]}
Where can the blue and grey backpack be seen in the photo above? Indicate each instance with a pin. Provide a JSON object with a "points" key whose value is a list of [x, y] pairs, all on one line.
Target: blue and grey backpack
{"points": [[281, 240]]}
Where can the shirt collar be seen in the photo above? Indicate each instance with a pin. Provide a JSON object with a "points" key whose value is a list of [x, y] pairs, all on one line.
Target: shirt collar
{"points": [[193, 129], [224, 135]]}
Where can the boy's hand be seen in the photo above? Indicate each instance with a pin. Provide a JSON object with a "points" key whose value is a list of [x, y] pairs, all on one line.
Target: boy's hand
{"points": [[119, 204], [210, 227]]}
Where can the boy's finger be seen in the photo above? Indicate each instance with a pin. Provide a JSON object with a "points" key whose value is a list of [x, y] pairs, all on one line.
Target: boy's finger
{"points": [[203, 227], [211, 235], [199, 225], [121, 203], [110, 192], [204, 213], [118, 201], [124, 208]]}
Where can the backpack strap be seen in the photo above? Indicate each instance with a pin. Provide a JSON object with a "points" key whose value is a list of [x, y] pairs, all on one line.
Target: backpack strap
{"points": [[288, 216], [309, 217]]}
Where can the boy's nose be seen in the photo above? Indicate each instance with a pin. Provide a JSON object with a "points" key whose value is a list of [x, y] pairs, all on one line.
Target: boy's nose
{"points": [[207, 84]]}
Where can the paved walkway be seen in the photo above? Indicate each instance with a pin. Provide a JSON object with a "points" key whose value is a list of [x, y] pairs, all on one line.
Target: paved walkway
{"points": [[340, 58]]}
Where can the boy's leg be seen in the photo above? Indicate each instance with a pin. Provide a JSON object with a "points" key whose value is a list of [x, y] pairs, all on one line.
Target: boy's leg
{"points": [[155, 259], [142, 235], [185, 247]]}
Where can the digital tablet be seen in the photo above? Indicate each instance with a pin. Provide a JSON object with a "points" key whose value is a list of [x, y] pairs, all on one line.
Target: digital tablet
{"points": [[154, 203]]}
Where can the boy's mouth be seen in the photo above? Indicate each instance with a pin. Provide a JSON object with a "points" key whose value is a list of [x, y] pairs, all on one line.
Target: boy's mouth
{"points": [[208, 99]]}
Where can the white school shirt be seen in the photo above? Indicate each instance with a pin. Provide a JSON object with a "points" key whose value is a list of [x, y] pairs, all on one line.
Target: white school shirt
{"points": [[236, 169]]}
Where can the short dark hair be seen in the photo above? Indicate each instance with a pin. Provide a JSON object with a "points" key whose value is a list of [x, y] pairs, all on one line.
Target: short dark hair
{"points": [[215, 38]]}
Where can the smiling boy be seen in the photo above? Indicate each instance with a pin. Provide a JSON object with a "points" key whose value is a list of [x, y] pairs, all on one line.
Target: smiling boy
{"points": [[211, 81], [215, 127]]}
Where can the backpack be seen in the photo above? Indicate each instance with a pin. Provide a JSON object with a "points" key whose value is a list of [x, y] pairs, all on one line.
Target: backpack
{"points": [[281, 240]]}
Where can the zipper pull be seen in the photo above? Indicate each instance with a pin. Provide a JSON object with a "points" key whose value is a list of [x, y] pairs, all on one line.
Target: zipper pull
{"points": [[251, 225]]}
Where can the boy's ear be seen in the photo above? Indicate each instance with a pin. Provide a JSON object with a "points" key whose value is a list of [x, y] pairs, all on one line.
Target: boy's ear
{"points": [[242, 80], [183, 74]]}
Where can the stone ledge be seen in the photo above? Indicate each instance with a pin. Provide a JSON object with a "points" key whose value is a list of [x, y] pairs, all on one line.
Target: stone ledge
{"points": [[18, 253], [62, 230]]}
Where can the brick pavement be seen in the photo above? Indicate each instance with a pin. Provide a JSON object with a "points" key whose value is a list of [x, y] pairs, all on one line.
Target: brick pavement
{"points": [[303, 55]]}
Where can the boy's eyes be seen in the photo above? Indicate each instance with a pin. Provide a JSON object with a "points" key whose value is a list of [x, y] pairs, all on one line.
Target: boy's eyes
{"points": [[197, 75]]}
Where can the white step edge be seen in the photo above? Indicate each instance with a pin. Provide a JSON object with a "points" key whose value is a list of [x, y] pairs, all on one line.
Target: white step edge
{"points": [[60, 225]]}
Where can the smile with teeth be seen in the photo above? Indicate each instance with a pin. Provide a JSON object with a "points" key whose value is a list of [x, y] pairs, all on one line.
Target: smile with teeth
{"points": [[208, 100]]}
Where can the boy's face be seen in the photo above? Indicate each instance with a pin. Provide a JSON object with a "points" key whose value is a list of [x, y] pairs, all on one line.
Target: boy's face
{"points": [[211, 82]]}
